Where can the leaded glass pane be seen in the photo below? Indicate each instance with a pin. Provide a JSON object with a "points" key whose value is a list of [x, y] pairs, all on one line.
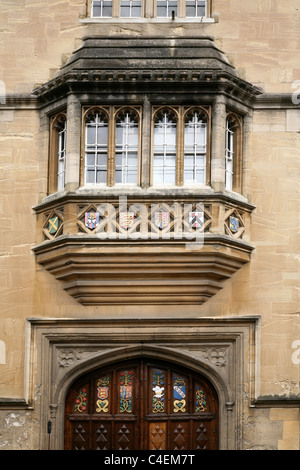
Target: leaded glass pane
{"points": [[101, 176], [107, 10], [101, 8], [196, 8], [91, 134], [90, 176], [96, 8], [90, 159], [165, 8]]}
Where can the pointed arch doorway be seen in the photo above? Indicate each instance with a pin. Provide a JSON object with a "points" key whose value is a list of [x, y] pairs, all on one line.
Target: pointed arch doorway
{"points": [[141, 405]]}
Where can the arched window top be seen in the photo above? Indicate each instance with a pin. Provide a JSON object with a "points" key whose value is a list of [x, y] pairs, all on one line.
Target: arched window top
{"points": [[166, 114], [127, 114], [59, 120], [198, 113], [96, 114], [234, 121]]}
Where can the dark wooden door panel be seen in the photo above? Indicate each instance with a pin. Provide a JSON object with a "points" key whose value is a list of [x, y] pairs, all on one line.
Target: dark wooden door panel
{"points": [[81, 435], [141, 405], [101, 435], [179, 435], [157, 435]]}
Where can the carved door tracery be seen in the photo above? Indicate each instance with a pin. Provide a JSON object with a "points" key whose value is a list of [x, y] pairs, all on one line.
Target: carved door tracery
{"points": [[141, 405]]}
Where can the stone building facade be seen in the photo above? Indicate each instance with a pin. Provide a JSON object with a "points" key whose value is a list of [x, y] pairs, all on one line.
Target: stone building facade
{"points": [[150, 158]]}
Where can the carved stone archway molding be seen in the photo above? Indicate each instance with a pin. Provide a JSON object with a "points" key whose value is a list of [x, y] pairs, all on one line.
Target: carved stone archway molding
{"points": [[224, 350]]}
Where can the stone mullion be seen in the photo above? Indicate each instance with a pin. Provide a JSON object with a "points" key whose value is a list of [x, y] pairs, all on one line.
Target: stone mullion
{"points": [[73, 143], [145, 160], [218, 144], [180, 149], [111, 148], [70, 219], [245, 153]]}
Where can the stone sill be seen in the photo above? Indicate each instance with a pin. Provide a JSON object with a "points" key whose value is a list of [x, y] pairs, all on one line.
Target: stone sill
{"points": [[200, 20], [96, 191]]}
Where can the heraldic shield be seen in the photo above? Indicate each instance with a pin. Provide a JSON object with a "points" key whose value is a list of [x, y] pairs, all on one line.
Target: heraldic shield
{"points": [[234, 224], [196, 219], [91, 220], [161, 219]]}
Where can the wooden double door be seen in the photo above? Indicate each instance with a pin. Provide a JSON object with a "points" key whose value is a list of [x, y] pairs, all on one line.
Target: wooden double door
{"points": [[141, 405]]}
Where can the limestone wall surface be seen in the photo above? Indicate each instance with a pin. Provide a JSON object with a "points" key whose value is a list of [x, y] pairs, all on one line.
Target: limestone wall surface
{"points": [[262, 40]]}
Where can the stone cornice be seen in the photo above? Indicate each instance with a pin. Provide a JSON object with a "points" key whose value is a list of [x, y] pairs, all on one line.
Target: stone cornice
{"points": [[30, 101], [148, 65]]}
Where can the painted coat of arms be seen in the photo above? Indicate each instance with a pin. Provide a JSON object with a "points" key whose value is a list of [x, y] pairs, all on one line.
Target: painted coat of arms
{"points": [[196, 219], [179, 394], [234, 224], [126, 219], [102, 393], [161, 219], [53, 225], [125, 392], [91, 220]]}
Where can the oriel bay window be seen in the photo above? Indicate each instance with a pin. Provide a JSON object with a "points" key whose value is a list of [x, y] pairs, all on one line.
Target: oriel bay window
{"points": [[179, 138], [111, 145]]}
